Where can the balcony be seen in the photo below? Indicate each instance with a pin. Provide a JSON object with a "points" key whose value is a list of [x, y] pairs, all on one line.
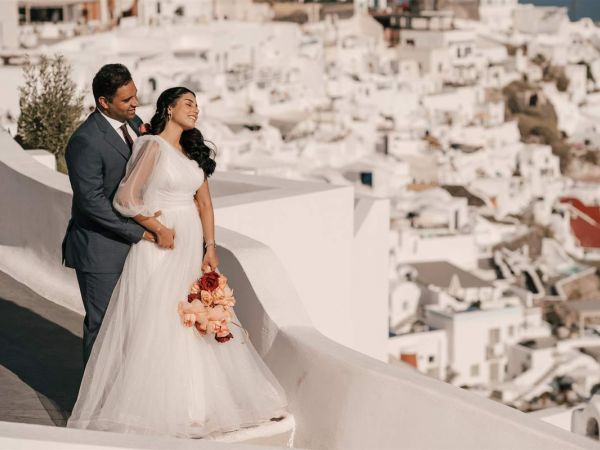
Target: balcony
{"points": [[303, 257]]}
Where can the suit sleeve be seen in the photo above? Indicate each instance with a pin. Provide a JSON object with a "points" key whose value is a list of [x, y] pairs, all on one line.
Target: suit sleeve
{"points": [[85, 174]]}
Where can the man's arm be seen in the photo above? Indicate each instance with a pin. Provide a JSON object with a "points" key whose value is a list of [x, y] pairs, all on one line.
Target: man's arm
{"points": [[85, 174]]}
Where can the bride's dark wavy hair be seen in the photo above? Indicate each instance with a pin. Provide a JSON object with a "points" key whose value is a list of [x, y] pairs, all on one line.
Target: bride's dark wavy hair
{"points": [[192, 141]]}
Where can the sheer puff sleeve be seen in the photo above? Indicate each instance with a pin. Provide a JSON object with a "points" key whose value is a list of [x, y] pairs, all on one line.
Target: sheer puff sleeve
{"points": [[129, 198]]}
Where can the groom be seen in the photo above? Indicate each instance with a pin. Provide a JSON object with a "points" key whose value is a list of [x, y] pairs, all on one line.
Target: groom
{"points": [[98, 239]]}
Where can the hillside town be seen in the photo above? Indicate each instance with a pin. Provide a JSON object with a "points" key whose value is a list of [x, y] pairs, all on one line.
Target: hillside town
{"points": [[479, 122]]}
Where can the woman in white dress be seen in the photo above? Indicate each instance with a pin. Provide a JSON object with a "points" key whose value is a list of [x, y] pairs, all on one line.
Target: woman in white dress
{"points": [[147, 373]]}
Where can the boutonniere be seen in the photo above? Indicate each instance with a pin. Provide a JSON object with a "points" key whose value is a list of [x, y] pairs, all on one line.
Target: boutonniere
{"points": [[144, 128]]}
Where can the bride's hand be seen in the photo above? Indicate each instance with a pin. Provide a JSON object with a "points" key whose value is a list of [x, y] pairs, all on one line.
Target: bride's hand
{"points": [[166, 238], [211, 260]]}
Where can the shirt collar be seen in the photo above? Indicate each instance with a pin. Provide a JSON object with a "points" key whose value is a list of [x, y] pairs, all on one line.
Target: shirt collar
{"points": [[113, 122]]}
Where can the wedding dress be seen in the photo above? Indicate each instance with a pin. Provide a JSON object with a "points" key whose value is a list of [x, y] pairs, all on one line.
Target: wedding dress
{"points": [[147, 373]]}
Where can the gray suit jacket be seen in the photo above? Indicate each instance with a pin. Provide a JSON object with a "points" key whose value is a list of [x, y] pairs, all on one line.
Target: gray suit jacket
{"points": [[97, 238]]}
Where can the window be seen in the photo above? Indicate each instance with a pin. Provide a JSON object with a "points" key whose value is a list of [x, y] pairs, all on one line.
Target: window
{"points": [[494, 336], [410, 42], [366, 178], [494, 375], [511, 331], [475, 370], [431, 358]]}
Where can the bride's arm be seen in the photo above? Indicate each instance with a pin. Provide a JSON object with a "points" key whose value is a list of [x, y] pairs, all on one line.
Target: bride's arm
{"points": [[207, 217], [129, 198]]}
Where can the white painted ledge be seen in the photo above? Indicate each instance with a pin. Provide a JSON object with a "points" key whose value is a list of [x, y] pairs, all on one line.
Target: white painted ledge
{"points": [[18, 436]]}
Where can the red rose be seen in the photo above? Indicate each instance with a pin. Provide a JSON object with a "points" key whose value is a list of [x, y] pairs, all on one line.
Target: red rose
{"points": [[192, 297], [144, 128], [224, 338], [209, 281]]}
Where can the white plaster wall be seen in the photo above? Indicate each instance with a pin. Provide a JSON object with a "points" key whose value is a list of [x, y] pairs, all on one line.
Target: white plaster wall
{"points": [[459, 249], [468, 339], [429, 344], [404, 301], [370, 268], [498, 15], [535, 20], [20, 436], [35, 204], [577, 75], [312, 233], [9, 24]]}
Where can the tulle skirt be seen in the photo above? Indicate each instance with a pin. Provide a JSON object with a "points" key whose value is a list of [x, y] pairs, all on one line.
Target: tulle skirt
{"points": [[148, 374]]}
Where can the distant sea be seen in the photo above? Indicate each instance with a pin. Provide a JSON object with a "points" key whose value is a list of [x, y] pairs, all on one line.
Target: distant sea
{"points": [[577, 8]]}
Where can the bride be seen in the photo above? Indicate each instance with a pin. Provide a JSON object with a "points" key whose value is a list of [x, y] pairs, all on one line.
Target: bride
{"points": [[147, 373]]}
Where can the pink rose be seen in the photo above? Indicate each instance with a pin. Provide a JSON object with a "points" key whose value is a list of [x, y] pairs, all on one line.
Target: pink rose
{"points": [[144, 128]]}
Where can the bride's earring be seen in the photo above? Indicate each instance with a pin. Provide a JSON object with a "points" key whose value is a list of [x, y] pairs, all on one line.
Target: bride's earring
{"points": [[169, 115]]}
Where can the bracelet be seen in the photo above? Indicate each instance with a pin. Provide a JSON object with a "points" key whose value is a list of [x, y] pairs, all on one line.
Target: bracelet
{"points": [[213, 243]]}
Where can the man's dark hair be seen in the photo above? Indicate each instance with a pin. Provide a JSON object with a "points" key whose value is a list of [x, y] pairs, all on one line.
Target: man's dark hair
{"points": [[108, 79]]}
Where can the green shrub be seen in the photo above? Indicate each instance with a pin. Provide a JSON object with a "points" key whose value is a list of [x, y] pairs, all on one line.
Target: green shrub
{"points": [[50, 106]]}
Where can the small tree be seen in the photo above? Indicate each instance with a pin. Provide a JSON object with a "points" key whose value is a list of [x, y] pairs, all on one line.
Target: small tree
{"points": [[51, 108]]}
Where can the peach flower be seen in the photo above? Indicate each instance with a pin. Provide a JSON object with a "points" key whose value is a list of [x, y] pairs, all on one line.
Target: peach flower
{"points": [[227, 300], [195, 289], [208, 308], [218, 293], [206, 298]]}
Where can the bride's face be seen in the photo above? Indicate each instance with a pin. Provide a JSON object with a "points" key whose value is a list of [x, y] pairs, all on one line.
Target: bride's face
{"points": [[185, 111]]}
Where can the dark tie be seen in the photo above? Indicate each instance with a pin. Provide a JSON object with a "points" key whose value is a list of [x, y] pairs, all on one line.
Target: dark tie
{"points": [[127, 136]]}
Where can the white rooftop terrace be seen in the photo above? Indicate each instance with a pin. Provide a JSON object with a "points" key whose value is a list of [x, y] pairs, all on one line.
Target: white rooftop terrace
{"points": [[297, 255]]}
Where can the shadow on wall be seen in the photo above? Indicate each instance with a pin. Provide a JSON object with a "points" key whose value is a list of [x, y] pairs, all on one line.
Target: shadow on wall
{"points": [[248, 307], [45, 356]]}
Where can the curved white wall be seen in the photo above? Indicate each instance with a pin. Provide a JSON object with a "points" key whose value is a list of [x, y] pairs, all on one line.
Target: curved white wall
{"points": [[35, 209], [340, 398]]}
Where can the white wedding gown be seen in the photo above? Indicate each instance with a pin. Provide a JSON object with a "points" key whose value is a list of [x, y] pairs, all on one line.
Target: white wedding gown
{"points": [[148, 373]]}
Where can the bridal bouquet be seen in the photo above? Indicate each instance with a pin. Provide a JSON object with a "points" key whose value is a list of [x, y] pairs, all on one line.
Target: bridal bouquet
{"points": [[208, 306]]}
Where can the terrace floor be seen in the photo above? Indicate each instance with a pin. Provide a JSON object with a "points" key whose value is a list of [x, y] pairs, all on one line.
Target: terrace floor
{"points": [[40, 356]]}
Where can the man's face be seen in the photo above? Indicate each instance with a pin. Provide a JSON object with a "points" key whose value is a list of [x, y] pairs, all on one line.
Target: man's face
{"points": [[123, 105]]}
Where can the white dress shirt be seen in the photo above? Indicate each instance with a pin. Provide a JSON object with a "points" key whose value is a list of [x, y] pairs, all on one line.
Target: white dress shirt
{"points": [[117, 125]]}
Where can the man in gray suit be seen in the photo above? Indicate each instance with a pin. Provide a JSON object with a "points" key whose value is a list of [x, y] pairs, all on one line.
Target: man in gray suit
{"points": [[98, 239]]}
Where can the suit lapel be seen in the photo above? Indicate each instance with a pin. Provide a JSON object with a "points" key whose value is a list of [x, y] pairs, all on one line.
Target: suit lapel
{"points": [[111, 136], [135, 125]]}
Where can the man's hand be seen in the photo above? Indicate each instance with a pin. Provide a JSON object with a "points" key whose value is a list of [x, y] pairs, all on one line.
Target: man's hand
{"points": [[148, 236]]}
